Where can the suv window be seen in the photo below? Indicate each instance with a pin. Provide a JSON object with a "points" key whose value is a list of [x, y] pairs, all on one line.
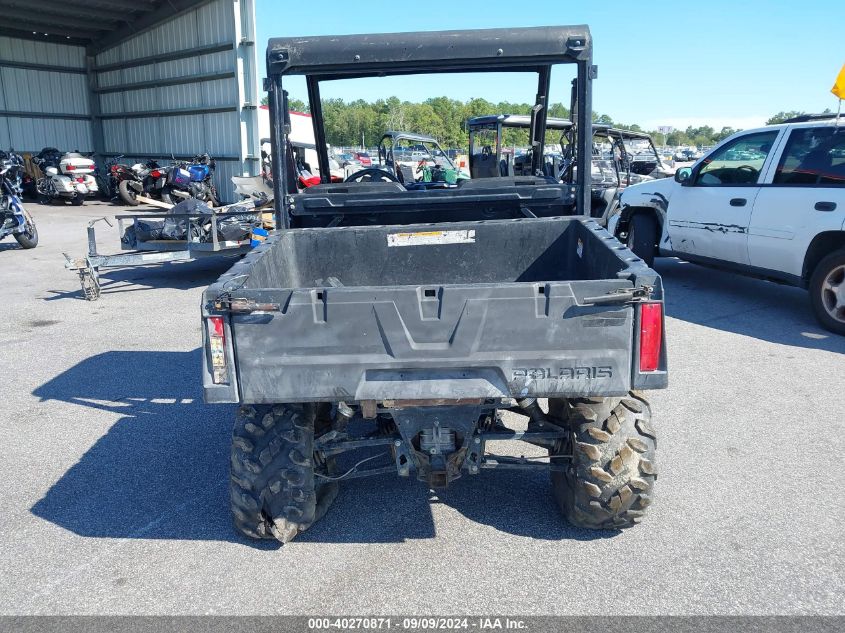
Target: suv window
{"points": [[813, 156], [738, 162]]}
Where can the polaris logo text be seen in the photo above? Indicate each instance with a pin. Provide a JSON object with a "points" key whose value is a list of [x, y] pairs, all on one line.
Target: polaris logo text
{"points": [[563, 373]]}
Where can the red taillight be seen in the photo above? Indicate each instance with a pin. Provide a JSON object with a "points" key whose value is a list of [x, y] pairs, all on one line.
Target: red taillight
{"points": [[651, 335], [215, 326], [217, 345], [155, 173], [80, 179], [114, 167], [70, 167]]}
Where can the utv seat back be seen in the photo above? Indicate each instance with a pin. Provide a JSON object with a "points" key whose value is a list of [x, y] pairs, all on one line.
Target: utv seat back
{"points": [[483, 164], [405, 173]]}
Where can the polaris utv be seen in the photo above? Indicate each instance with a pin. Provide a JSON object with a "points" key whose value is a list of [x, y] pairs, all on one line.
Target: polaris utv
{"points": [[415, 323]]}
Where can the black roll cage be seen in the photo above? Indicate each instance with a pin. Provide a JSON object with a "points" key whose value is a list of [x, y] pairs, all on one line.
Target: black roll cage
{"points": [[387, 151], [327, 58]]}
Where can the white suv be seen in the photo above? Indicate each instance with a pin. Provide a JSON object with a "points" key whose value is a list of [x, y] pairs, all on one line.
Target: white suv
{"points": [[768, 202]]}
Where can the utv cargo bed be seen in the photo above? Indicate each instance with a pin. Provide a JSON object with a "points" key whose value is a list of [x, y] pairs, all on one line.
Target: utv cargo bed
{"points": [[469, 310]]}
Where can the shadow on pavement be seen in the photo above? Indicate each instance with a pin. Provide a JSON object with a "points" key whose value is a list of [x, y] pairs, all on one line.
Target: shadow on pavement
{"points": [[161, 470], [515, 502], [176, 275], [743, 305]]}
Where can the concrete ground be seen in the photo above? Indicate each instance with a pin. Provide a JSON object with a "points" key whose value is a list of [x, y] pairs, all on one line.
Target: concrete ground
{"points": [[114, 497]]}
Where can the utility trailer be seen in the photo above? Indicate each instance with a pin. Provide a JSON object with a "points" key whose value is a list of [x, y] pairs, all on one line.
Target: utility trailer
{"points": [[409, 322], [157, 251]]}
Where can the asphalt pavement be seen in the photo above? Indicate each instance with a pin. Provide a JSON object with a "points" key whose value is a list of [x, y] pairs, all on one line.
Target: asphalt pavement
{"points": [[114, 495]]}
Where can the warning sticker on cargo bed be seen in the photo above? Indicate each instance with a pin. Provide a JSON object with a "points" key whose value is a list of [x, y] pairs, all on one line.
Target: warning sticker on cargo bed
{"points": [[427, 238]]}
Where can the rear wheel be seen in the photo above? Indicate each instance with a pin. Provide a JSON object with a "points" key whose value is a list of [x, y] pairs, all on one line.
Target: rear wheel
{"points": [[127, 194], [610, 480], [827, 292], [77, 200], [279, 486], [642, 237]]}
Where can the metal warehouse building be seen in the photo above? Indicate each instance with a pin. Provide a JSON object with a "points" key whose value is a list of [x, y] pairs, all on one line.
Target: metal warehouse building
{"points": [[142, 78]]}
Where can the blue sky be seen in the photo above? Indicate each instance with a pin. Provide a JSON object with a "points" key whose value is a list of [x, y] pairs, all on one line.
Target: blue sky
{"points": [[660, 63]]}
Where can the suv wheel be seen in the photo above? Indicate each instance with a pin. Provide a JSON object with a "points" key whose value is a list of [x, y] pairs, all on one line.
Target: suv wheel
{"points": [[642, 237], [827, 292]]}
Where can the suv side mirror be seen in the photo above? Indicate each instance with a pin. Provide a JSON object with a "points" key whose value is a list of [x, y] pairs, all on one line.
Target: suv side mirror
{"points": [[684, 175]]}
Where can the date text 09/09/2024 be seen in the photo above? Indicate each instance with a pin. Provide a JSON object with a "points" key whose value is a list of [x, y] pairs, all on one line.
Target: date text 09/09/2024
{"points": [[415, 624]]}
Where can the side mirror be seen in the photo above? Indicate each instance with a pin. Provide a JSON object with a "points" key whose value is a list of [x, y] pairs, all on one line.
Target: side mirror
{"points": [[684, 175]]}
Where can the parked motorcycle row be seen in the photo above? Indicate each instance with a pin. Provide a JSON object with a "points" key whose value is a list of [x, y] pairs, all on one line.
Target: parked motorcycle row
{"points": [[73, 177], [172, 184]]}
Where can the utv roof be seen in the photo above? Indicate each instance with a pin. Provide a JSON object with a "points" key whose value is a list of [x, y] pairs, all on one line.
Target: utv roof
{"points": [[627, 134], [411, 136], [482, 50], [524, 121], [517, 120]]}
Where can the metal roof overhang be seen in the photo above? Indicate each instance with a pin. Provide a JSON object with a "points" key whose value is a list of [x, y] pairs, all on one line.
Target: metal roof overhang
{"points": [[95, 24], [483, 50]]}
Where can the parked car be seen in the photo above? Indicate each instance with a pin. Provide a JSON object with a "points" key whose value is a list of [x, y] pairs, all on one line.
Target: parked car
{"points": [[348, 158], [685, 155], [768, 202], [364, 159]]}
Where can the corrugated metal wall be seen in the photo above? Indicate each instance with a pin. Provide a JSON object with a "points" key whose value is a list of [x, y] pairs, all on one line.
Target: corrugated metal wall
{"points": [[27, 91], [201, 97], [213, 110]]}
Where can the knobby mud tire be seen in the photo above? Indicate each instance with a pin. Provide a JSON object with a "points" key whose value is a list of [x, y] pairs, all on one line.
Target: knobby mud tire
{"points": [[610, 480], [275, 490]]}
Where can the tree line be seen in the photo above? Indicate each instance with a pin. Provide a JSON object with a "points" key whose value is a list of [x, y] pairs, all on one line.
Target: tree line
{"points": [[361, 122]]}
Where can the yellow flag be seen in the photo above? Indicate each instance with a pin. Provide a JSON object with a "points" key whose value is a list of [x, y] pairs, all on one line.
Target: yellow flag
{"points": [[839, 85]]}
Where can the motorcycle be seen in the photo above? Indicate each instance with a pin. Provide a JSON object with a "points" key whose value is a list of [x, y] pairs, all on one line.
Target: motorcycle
{"points": [[14, 219], [146, 179], [109, 179], [67, 176], [191, 180]]}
